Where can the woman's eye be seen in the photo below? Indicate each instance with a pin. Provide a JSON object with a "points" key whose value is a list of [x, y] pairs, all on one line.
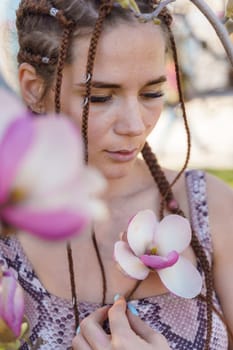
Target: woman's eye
{"points": [[100, 99], [153, 94]]}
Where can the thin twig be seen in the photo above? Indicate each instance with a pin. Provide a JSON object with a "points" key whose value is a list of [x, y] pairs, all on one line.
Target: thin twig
{"points": [[147, 17]]}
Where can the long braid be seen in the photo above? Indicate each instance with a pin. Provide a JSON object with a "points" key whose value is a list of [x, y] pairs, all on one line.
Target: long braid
{"points": [[167, 195], [104, 10], [181, 98], [158, 175]]}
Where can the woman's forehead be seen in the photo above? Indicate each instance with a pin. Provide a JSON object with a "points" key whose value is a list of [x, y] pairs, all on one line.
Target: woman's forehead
{"points": [[126, 46]]}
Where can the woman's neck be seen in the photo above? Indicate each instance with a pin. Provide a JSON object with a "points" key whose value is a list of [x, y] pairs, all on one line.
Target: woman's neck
{"points": [[135, 181]]}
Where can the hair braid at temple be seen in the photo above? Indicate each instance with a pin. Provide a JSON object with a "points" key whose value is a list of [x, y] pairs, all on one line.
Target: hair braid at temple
{"points": [[34, 59], [104, 10], [41, 7], [60, 66]]}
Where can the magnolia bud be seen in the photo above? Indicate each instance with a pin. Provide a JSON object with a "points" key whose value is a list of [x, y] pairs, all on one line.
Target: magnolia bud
{"points": [[129, 4], [229, 9]]}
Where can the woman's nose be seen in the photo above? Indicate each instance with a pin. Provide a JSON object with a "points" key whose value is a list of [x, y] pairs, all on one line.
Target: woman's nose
{"points": [[130, 119]]}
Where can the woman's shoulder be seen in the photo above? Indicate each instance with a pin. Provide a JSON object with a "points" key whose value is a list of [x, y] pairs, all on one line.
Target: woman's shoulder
{"points": [[220, 204], [6, 245], [11, 254], [6, 251]]}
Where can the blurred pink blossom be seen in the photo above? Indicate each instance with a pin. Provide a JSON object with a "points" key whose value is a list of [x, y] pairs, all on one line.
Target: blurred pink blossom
{"points": [[45, 187]]}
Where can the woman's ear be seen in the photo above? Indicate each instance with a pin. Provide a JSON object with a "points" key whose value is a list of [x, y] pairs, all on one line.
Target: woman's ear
{"points": [[32, 87]]}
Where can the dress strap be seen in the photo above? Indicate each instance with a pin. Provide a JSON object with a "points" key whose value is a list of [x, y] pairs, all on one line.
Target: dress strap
{"points": [[197, 197]]}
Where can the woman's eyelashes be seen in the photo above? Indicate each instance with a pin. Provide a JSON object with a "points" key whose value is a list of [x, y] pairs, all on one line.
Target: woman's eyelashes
{"points": [[107, 98], [100, 99], [152, 95]]}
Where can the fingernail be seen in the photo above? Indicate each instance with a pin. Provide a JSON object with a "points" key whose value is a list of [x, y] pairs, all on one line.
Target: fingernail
{"points": [[132, 309], [116, 297], [78, 330]]}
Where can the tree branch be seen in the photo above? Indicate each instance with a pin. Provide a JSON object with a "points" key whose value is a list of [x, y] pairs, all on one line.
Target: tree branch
{"points": [[218, 27]]}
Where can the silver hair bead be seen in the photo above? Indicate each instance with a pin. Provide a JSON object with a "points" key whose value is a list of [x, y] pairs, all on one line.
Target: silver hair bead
{"points": [[88, 78], [53, 11], [85, 101], [45, 60]]}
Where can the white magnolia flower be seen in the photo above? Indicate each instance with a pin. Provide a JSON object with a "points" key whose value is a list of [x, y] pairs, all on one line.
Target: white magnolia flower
{"points": [[153, 245]]}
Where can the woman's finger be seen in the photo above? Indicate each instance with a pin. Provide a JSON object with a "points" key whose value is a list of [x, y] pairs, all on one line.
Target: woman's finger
{"points": [[118, 320], [79, 343], [146, 332], [92, 331]]}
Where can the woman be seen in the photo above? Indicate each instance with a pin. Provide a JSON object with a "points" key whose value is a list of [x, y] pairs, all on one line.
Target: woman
{"points": [[96, 62]]}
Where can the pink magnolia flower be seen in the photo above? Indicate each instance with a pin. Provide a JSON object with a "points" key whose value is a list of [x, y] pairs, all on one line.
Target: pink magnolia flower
{"points": [[11, 307], [45, 187], [153, 245]]}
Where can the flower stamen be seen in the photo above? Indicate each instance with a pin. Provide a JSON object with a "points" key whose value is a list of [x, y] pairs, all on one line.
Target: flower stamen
{"points": [[154, 251], [17, 195]]}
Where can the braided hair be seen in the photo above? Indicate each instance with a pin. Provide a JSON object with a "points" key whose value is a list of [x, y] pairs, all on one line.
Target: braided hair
{"points": [[46, 30]]}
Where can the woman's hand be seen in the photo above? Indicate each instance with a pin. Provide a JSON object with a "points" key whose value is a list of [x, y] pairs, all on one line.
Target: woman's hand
{"points": [[128, 332]]}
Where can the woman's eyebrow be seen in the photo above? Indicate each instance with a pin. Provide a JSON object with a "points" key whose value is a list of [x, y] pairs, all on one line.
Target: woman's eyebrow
{"points": [[158, 80], [105, 85], [100, 85]]}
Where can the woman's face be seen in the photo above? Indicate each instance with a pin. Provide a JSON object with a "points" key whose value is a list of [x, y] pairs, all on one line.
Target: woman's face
{"points": [[126, 101]]}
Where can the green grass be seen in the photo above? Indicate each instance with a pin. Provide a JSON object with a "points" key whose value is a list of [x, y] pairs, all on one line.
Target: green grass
{"points": [[225, 175]]}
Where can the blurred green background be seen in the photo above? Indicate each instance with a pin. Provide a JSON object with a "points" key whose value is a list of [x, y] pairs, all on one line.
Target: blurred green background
{"points": [[225, 175]]}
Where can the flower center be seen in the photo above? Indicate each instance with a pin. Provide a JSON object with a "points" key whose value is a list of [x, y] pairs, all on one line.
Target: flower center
{"points": [[153, 251], [17, 195]]}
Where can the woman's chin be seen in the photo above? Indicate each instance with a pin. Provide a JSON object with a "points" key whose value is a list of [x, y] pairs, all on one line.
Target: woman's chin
{"points": [[118, 171]]}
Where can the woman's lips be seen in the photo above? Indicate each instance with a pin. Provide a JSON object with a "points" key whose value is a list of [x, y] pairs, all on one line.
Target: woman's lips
{"points": [[122, 155]]}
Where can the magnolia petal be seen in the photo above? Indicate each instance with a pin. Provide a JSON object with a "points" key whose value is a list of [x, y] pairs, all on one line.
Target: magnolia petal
{"points": [[141, 231], [54, 159], [174, 233], [80, 195], [11, 109], [182, 279], [96, 183], [13, 149], [51, 225], [18, 310], [128, 262], [97, 209], [8, 312], [160, 262], [7, 291]]}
